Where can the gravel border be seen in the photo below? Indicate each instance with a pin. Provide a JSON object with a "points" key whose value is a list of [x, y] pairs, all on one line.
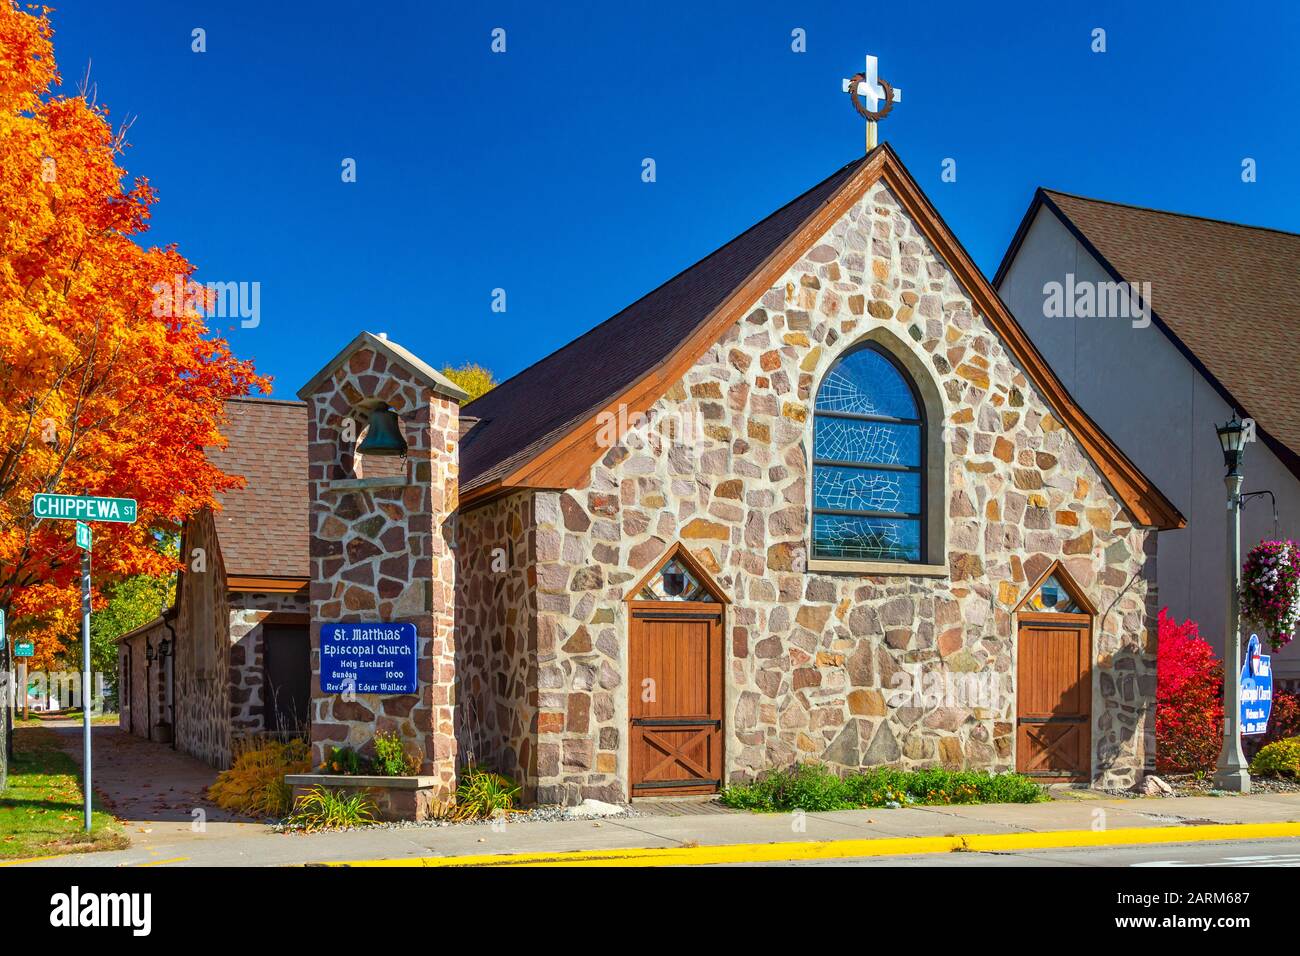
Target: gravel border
{"points": [[1192, 785]]}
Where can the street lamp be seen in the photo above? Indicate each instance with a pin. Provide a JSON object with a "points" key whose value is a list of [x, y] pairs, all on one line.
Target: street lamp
{"points": [[1230, 773]]}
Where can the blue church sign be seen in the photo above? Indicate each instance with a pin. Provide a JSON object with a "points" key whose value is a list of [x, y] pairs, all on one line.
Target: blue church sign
{"points": [[368, 658], [1256, 689]]}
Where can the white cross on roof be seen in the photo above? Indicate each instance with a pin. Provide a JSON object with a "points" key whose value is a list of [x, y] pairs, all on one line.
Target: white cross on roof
{"points": [[872, 92]]}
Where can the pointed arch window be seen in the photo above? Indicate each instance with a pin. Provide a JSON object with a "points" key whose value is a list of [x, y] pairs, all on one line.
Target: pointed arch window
{"points": [[869, 441]]}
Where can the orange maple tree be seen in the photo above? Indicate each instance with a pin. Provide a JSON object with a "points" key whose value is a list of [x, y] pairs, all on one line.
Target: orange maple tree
{"points": [[101, 391]]}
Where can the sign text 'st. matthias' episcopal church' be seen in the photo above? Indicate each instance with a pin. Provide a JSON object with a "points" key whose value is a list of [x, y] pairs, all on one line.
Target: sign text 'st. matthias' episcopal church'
{"points": [[816, 498]]}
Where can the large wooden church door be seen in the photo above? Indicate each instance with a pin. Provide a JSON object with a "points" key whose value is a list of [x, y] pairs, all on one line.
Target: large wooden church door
{"points": [[675, 662], [1054, 684]]}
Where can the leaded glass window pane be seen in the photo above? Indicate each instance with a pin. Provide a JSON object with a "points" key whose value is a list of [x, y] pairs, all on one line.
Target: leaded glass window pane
{"points": [[876, 443], [868, 466], [1052, 596], [865, 382], [853, 538], [674, 582], [863, 489]]}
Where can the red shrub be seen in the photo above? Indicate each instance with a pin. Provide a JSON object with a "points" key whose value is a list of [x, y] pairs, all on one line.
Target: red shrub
{"points": [[1284, 721], [1189, 699]]}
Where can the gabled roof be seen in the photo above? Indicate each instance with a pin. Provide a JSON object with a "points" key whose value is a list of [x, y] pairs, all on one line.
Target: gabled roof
{"points": [[1227, 296], [540, 428], [526, 415], [421, 370], [262, 527]]}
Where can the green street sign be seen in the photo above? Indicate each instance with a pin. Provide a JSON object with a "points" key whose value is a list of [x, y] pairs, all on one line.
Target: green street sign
{"points": [[83, 536], [84, 508], [24, 649]]}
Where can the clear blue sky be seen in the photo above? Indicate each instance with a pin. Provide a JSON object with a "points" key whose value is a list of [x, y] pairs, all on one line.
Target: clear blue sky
{"points": [[522, 170]]}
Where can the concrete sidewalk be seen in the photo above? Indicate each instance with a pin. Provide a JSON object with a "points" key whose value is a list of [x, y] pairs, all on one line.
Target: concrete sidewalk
{"points": [[159, 794], [1065, 822]]}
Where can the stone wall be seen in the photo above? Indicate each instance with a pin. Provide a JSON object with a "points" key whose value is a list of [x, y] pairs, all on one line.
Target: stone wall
{"points": [[138, 714], [247, 675], [380, 551], [200, 683], [496, 639], [812, 656]]}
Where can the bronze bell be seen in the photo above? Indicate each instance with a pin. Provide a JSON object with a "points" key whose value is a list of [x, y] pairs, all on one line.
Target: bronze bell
{"points": [[384, 436]]}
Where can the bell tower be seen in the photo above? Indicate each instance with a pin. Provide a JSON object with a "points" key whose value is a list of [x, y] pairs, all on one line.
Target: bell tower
{"points": [[383, 457]]}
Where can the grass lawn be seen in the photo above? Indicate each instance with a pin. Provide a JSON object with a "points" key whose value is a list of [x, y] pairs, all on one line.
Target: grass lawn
{"points": [[41, 811], [95, 719]]}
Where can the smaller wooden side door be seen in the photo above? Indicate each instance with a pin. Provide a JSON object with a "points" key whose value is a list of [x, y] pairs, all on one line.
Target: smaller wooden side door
{"points": [[1054, 697], [675, 698]]}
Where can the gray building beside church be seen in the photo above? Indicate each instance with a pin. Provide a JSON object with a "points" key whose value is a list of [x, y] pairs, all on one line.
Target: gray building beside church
{"points": [[1223, 337]]}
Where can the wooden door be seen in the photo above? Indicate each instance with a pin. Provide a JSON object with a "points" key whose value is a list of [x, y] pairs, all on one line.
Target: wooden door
{"points": [[1054, 697], [286, 665], [675, 661]]}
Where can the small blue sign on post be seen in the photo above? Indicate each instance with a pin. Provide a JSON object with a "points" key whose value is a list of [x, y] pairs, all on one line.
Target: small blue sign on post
{"points": [[83, 536], [1256, 689], [368, 658]]}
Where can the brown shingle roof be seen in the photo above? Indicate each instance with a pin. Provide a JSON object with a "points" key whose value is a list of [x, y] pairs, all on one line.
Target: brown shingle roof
{"points": [[542, 427], [1228, 295], [262, 527], [528, 412]]}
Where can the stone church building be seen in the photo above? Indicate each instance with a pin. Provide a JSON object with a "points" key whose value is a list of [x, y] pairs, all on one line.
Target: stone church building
{"points": [[816, 498]]}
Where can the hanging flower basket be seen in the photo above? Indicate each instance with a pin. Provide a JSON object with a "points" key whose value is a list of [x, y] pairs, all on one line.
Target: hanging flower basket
{"points": [[1270, 590]]}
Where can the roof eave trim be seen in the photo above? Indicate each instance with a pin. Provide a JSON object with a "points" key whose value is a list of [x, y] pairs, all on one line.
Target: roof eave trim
{"points": [[566, 461], [1145, 502], [1289, 458], [421, 370]]}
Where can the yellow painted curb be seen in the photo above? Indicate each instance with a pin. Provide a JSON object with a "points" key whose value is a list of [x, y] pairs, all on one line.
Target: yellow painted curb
{"points": [[847, 849], [31, 859]]}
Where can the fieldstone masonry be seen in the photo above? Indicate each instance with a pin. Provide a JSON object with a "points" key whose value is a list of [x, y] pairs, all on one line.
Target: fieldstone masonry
{"points": [[814, 656], [381, 546], [524, 627]]}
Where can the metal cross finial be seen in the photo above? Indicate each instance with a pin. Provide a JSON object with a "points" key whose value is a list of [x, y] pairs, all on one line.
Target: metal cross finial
{"points": [[874, 89]]}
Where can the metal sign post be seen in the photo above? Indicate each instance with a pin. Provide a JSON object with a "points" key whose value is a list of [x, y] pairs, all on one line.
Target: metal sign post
{"points": [[6, 731], [83, 542], [89, 508]]}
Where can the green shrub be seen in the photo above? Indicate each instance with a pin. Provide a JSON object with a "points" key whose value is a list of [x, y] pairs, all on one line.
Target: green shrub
{"points": [[392, 759], [483, 794], [812, 788], [321, 808], [345, 760], [1278, 759]]}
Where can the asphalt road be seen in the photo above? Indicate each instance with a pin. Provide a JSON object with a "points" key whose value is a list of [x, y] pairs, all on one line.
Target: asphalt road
{"points": [[1237, 853]]}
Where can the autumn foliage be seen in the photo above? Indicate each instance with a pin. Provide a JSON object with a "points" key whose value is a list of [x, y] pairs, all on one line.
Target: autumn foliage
{"points": [[98, 394], [1189, 699]]}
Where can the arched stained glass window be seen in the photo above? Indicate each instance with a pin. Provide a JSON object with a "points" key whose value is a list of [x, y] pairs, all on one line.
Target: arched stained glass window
{"points": [[868, 461]]}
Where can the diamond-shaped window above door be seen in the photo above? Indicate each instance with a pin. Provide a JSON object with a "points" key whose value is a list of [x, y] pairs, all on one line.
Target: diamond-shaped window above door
{"points": [[674, 582]]}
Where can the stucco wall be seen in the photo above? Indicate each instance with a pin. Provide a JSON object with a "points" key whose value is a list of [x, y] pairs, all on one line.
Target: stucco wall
{"points": [[1149, 398], [812, 656]]}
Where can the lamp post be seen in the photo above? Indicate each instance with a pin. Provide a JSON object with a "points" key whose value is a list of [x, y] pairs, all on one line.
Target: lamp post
{"points": [[1230, 773]]}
